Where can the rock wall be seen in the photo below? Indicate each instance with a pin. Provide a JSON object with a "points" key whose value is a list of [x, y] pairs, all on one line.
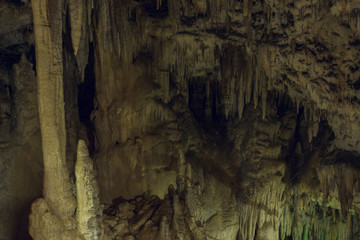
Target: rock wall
{"points": [[250, 92], [21, 165], [249, 108]]}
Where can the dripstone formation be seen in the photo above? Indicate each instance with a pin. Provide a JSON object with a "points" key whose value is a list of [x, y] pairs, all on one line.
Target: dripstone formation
{"points": [[180, 119]]}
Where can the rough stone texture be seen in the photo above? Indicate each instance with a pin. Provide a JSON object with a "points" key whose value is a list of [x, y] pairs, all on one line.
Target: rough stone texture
{"points": [[249, 108], [20, 149], [20, 154], [49, 60], [44, 224], [89, 211], [249, 91]]}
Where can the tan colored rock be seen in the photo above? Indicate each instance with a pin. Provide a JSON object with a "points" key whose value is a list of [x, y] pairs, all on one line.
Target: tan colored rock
{"points": [[177, 85], [44, 225], [89, 212], [48, 24], [76, 11]]}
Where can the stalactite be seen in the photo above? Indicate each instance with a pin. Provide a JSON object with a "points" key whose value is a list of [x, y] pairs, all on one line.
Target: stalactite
{"points": [[257, 79], [76, 20], [188, 174], [249, 77], [241, 98], [315, 128], [181, 163], [310, 134], [264, 92], [233, 94], [306, 112], [166, 79], [105, 26], [297, 106], [90, 7]]}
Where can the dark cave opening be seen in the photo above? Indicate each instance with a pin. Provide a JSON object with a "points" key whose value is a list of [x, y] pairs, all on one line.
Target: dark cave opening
{"points": [[155, 11], [86, 96], [300, 155], [205, 103], [197, 99]]}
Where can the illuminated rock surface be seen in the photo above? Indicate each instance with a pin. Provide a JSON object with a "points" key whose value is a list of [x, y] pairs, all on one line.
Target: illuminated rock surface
{"points": [[168, 119]]}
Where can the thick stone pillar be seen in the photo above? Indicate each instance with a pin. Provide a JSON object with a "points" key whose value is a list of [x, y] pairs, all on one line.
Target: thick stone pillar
{"points": [[48, 24]]}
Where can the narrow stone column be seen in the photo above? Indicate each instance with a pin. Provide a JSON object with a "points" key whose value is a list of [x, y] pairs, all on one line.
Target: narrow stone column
{"points": [[89, 212], [48, 24]]}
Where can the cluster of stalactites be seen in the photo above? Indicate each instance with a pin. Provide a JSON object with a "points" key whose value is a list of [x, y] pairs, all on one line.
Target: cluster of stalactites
{"points": [[331, 213], [306, 219], [150, 115], [311, 114], [244, 77], [340, 182], [262, 213]]}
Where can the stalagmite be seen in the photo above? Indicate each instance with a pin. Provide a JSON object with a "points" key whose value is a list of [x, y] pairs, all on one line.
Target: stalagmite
{"points": [[164, 229], [89, 212], [49, 64], [178, 218]]}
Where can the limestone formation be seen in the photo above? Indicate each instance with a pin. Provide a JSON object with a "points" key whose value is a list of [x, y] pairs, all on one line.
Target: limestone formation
{"points": [[48, 22], [89, 210], [207, 119]]}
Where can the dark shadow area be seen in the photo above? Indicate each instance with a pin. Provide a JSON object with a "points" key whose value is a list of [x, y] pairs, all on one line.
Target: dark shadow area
{"points": [[151, 8], [86, 95], [207, 106], [22, 232]]}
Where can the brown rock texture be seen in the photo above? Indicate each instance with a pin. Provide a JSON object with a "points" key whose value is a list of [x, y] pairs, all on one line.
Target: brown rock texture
{"points": [[249, 108], [21, 165]]}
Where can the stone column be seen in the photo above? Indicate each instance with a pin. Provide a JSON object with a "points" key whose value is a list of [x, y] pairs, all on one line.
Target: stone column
{"points": [[48, 24]]}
